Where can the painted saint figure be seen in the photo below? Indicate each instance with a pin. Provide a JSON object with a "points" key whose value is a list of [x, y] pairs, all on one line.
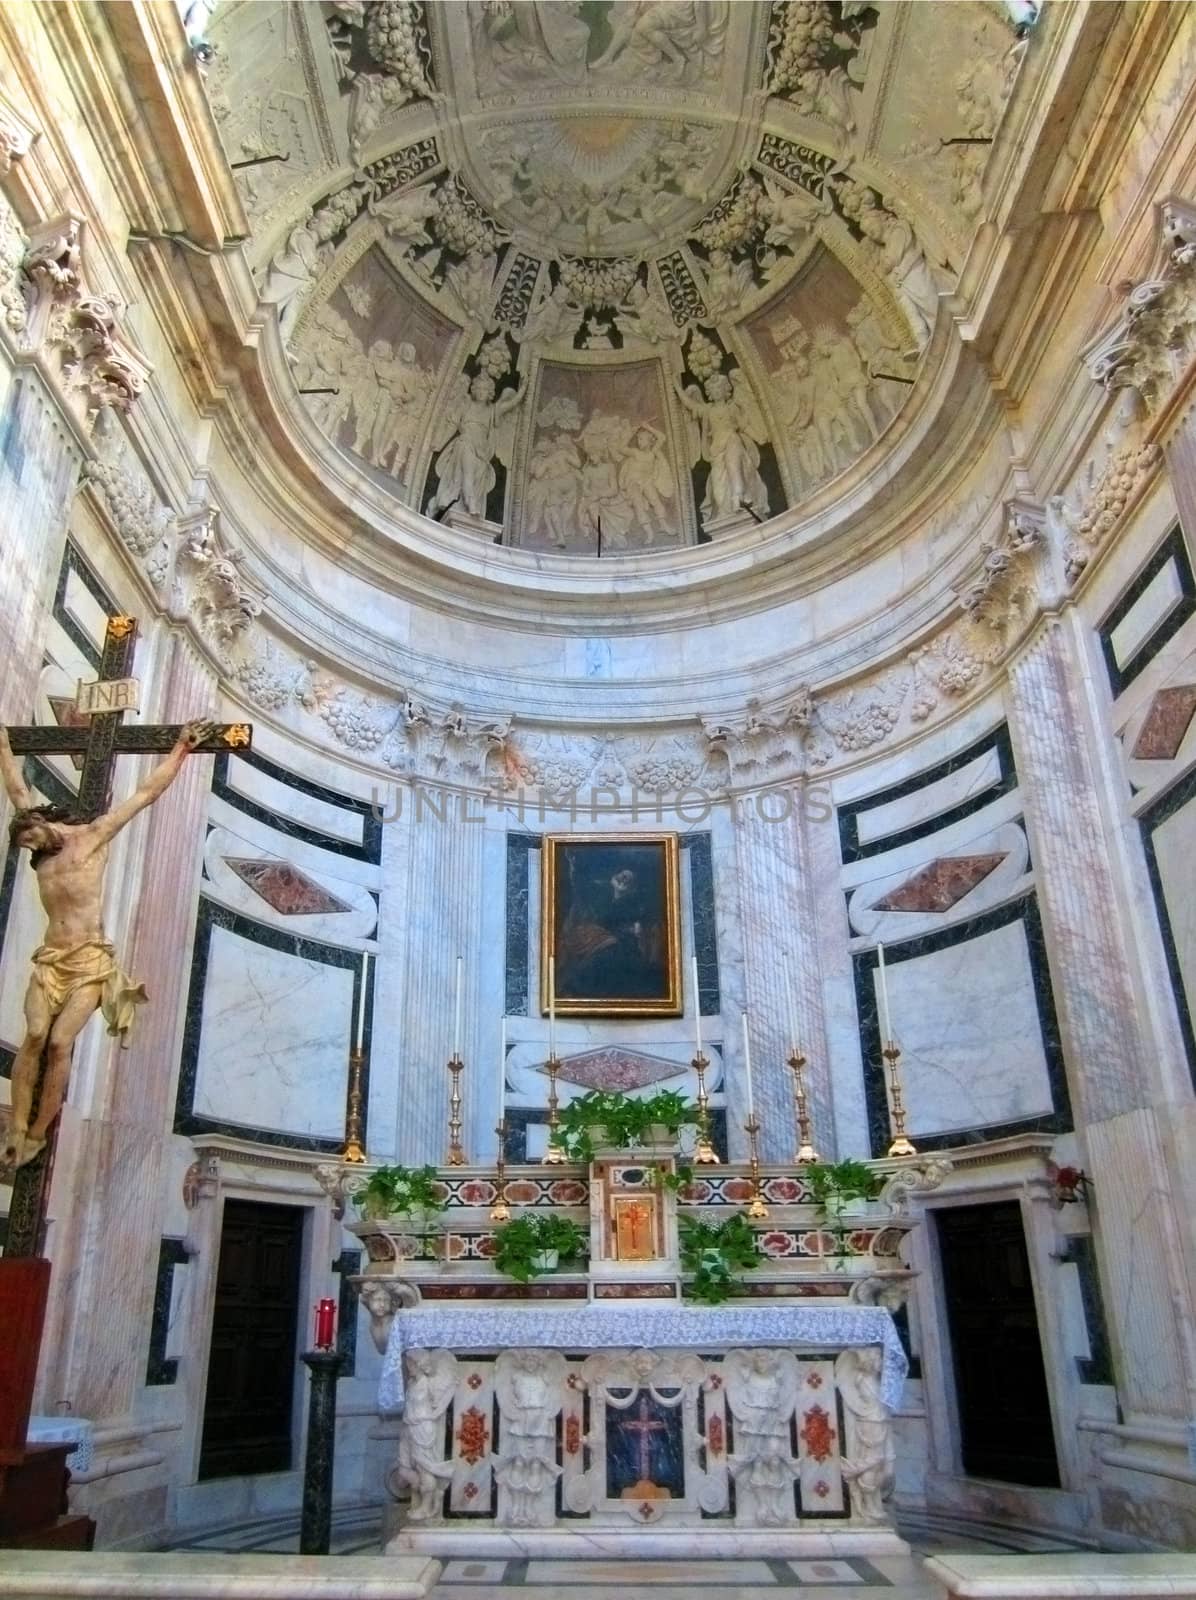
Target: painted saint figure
{"points": [[75, 969]]}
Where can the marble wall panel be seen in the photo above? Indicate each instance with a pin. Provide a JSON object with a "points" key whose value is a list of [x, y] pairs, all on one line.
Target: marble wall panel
{"points": [[280, 797], [1169, 838], [931, 798], [972, 1011], [280, 893], [947, 886], [273, 1047], [1152, 609]]}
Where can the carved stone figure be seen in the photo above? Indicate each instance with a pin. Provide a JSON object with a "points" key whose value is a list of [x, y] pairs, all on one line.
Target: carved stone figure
{"points": [[465, 466], [292, 272], [75, 969], [390, 392], [677, 37], [868, 1459], [555, 316], [903, 263], [731, 427], [553, 485], [530, 1386], [431, 1378], [728, 283], [762, 1390], [405, 217], [646, 480]]}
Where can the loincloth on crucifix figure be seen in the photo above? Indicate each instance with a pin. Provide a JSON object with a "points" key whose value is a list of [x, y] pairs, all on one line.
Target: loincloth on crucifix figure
{"points": [[75, 970]]}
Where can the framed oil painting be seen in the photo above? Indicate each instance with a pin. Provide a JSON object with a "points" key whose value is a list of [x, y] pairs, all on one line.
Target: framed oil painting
{"points": [[610, 919]]}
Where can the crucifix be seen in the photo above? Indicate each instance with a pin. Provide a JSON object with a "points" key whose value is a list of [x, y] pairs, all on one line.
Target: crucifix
{"points": [[75, 970], [642, 1427]]}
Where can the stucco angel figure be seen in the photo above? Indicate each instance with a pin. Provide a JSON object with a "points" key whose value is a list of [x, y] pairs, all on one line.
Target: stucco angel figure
{"points": [[555, 316], [646, 479], [472, 436], [405, 217], [905, 266], [431, 1378], [292, 272], [762, 1388], [678, 36], [530, 1386], [402, 394], [728, 283], [75, 969], [645, 315], [471, 282], [793, 213], [730, 427]]}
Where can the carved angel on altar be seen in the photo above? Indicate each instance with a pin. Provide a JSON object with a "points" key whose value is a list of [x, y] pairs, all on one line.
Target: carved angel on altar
{"points": [[730, 428], [762, 1389], [530, 1387], [869, 1461], [431, 1380], [472, 437]]}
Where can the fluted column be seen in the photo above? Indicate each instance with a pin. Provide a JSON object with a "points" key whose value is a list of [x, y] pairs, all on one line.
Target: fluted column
{"points": [[783, 976], [443, 909], [39, 462], [1058, 738], [113, 1293]]}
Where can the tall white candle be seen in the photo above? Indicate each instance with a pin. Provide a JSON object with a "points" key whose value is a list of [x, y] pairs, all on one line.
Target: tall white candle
{"points": [[747, 1067], [457, 1016], [697, 1004], [365, 983], [552, 1006], [886, 1031], [502, 1073]]}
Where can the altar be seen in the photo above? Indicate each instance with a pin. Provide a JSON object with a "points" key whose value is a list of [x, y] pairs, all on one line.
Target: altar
{"points": [[768, 1426]]}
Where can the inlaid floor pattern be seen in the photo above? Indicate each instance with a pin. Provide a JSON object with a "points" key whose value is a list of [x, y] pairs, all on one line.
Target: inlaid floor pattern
{"points": [[884, 1578]]}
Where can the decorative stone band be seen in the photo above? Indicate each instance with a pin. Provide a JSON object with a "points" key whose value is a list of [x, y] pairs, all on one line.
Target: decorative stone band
{"points": [[636, 1326]]}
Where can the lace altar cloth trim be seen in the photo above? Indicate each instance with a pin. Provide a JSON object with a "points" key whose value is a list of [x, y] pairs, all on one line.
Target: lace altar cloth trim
{"points": [[637, 1327]]}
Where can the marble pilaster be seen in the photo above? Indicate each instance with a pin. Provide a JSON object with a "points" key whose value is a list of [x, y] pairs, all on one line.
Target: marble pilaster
{"points": [[1179, 452], [1082, 895], [445, 831], [782, 973]]}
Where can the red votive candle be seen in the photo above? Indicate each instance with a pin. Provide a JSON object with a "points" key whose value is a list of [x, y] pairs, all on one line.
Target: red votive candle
{"points": [[325, 1324]]}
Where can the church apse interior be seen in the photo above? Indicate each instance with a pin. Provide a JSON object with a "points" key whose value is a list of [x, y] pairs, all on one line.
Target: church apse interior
{"points": [[599, 675]]}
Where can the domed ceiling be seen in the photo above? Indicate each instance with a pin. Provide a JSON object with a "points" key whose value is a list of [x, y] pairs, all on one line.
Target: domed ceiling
{"points": [[602, 276]]}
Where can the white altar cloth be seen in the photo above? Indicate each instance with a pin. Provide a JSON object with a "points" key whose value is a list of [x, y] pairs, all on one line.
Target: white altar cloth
{"points": [[635, 1325]]}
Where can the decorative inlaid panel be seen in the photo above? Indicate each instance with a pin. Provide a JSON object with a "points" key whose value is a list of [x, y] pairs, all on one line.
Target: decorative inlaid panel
{"points": [[940, 884], [1166, 725], [291, 892]]}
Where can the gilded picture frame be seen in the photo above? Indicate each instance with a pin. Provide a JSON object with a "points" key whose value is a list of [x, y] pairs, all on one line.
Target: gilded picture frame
{"points": [[610, 918]]}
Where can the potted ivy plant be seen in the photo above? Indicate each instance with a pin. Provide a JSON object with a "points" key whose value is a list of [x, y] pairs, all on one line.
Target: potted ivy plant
{"points": [[605, 1119], [842, 1188], [538, 1242], [414, 1193], [714, 1255]]}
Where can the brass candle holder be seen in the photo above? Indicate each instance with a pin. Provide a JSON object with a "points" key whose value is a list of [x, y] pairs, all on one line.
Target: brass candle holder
{"points": [[353, 1150], [704, 1152], [456, 1155], [806, 1155], [554, 1156], [901, 1145], [756, 1207], [500, 1211]]}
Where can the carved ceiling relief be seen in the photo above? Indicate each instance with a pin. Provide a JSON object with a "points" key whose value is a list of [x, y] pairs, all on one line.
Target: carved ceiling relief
{"points": [[638, 211]]}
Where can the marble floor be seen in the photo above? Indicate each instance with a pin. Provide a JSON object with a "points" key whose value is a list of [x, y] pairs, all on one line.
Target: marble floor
{"points": [[875, 1578]]}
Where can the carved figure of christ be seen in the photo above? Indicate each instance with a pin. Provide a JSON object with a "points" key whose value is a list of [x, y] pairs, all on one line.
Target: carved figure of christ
{"points": [[75, 970]]}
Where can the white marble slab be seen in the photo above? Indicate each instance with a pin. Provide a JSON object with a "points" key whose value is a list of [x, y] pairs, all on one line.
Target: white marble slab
{"points": [[1160, 597], [293, 804], [967, 1023], [930, 800], [1042, 1577], [274, 1044], [202, 1575], [1175, 851]]}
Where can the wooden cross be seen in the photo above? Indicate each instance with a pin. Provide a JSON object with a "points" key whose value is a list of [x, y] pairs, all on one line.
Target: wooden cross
{"points": [[102, 735]]}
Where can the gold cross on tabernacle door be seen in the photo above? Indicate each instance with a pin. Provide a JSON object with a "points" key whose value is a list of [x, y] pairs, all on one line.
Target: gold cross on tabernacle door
{"points": [[634, 1231]]}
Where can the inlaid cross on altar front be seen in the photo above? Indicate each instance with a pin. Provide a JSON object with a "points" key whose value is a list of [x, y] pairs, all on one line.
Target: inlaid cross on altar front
{"points": [[644, 1427], [104, 734]]}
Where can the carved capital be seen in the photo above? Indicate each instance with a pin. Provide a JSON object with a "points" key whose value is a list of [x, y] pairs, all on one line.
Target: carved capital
{"points": [[1154, 340], [1009, 587], [765, 746]]}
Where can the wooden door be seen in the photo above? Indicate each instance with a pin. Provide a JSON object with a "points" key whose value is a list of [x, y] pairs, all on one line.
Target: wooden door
{"points": [[1000, 1382], [251, 1369]]}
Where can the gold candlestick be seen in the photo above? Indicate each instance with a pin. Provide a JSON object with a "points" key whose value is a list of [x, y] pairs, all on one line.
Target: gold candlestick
{"points": [[500, 1211], [456, 1155], [704, 1152], [554, 1155], [901, 1145], [353, 1150], [806, 1155], [756, 1207]]}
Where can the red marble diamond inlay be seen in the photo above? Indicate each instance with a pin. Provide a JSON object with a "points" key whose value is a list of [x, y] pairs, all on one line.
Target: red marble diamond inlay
{"points": [[618, 1069], [291, 892], [941, 883], [1167, 722]]}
